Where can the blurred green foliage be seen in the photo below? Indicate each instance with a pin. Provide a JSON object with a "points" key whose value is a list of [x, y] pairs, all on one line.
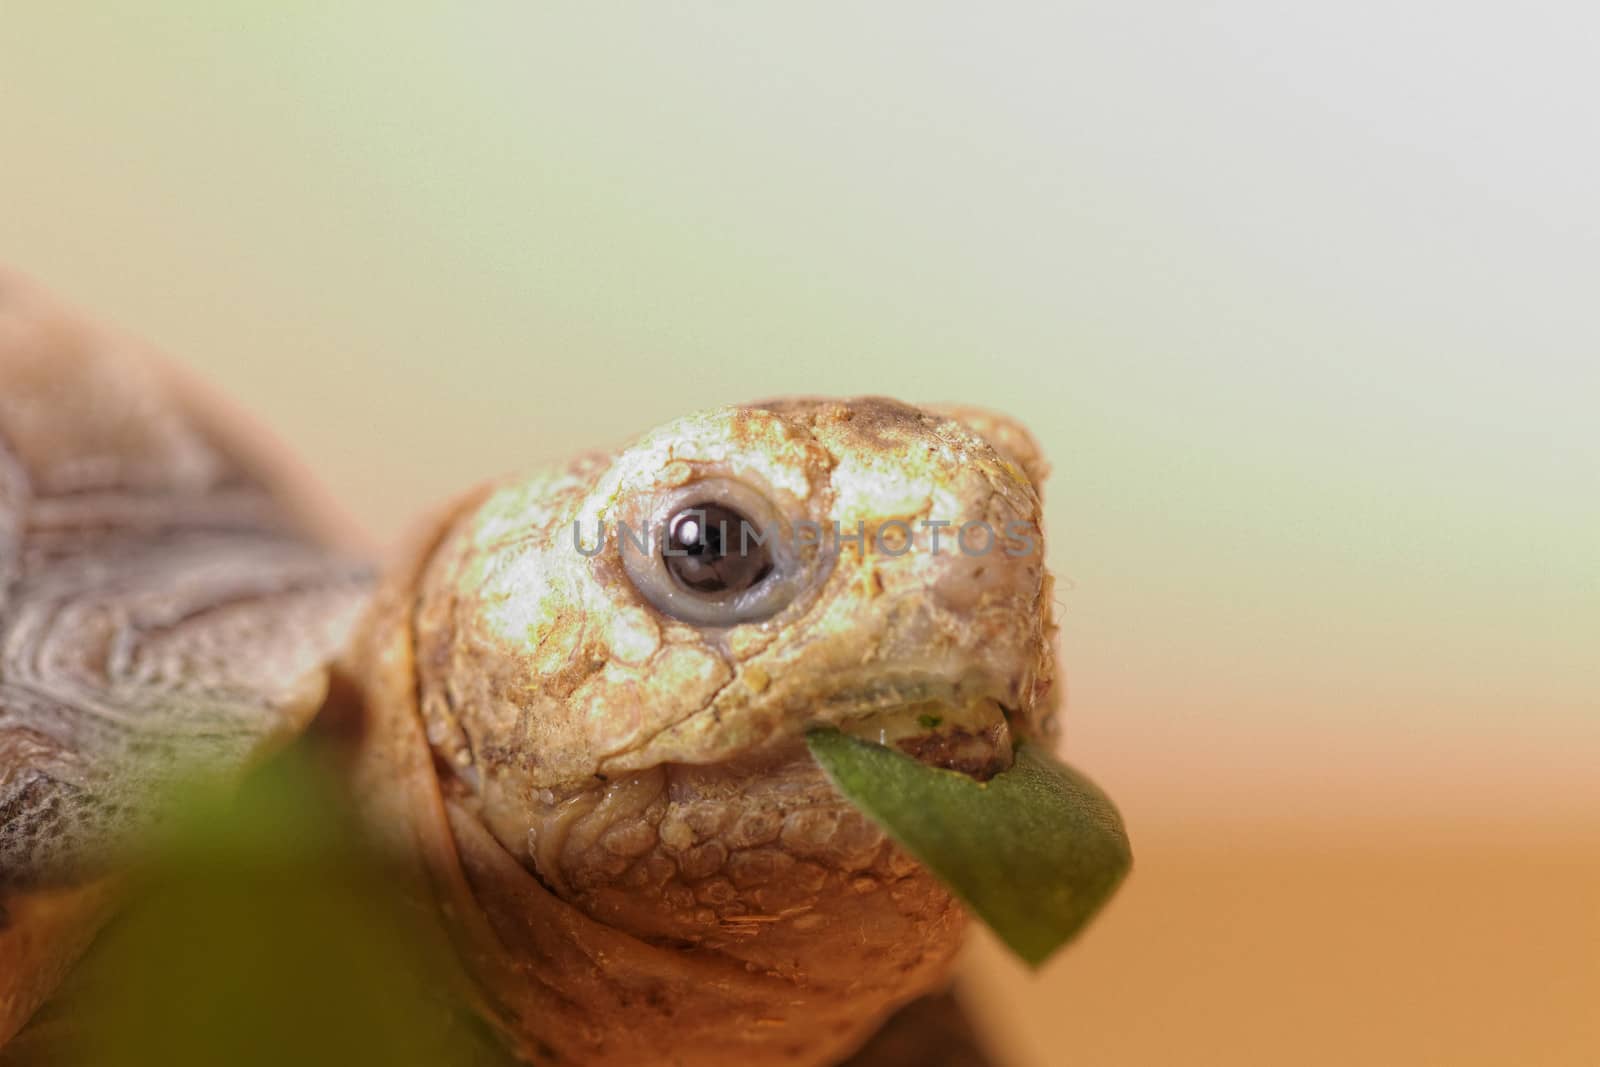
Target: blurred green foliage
{"points": [[266, 931]]}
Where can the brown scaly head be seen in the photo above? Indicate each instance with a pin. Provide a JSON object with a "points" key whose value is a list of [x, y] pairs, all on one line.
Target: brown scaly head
{"points": [[588, 698]]}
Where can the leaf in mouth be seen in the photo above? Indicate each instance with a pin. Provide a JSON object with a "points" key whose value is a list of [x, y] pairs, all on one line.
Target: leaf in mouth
{"points": [[1034, 852]]}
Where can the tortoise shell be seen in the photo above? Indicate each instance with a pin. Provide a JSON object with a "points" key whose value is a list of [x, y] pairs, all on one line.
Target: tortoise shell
{"points": [[168, 605]]}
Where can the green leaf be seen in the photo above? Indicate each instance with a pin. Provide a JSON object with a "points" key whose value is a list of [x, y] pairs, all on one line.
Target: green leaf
{"points": [[1034, 852]]}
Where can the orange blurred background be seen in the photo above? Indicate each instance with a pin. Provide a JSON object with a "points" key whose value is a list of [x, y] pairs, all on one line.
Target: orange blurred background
{"points": [[1300, 303]]}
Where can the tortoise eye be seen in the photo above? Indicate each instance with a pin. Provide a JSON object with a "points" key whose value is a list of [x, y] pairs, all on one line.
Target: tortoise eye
{"points": [[713, 550], [719, 553]]}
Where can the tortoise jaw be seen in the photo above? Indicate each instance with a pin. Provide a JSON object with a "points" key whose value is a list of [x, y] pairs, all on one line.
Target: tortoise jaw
{"points": [[971, 736]]}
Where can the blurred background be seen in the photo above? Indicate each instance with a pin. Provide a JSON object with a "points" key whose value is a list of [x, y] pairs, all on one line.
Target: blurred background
{"points": [[1300, 299]]}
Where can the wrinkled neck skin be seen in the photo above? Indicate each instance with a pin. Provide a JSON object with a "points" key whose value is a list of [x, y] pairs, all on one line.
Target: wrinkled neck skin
{"points": [[564, 987], [636, 855]]}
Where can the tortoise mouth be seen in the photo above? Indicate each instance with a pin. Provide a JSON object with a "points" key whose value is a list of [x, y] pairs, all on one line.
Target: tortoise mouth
{"points": [[971, 736]]}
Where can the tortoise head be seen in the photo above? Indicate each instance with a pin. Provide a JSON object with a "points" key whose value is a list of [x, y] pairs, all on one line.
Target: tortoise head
{"points": [[617, 664]]}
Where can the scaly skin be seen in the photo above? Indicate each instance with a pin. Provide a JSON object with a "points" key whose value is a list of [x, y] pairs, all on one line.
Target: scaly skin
{"points": [[615, 808]]}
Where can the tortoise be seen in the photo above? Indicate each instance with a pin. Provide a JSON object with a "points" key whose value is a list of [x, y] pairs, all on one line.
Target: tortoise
{"points": [[652, 786]]}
